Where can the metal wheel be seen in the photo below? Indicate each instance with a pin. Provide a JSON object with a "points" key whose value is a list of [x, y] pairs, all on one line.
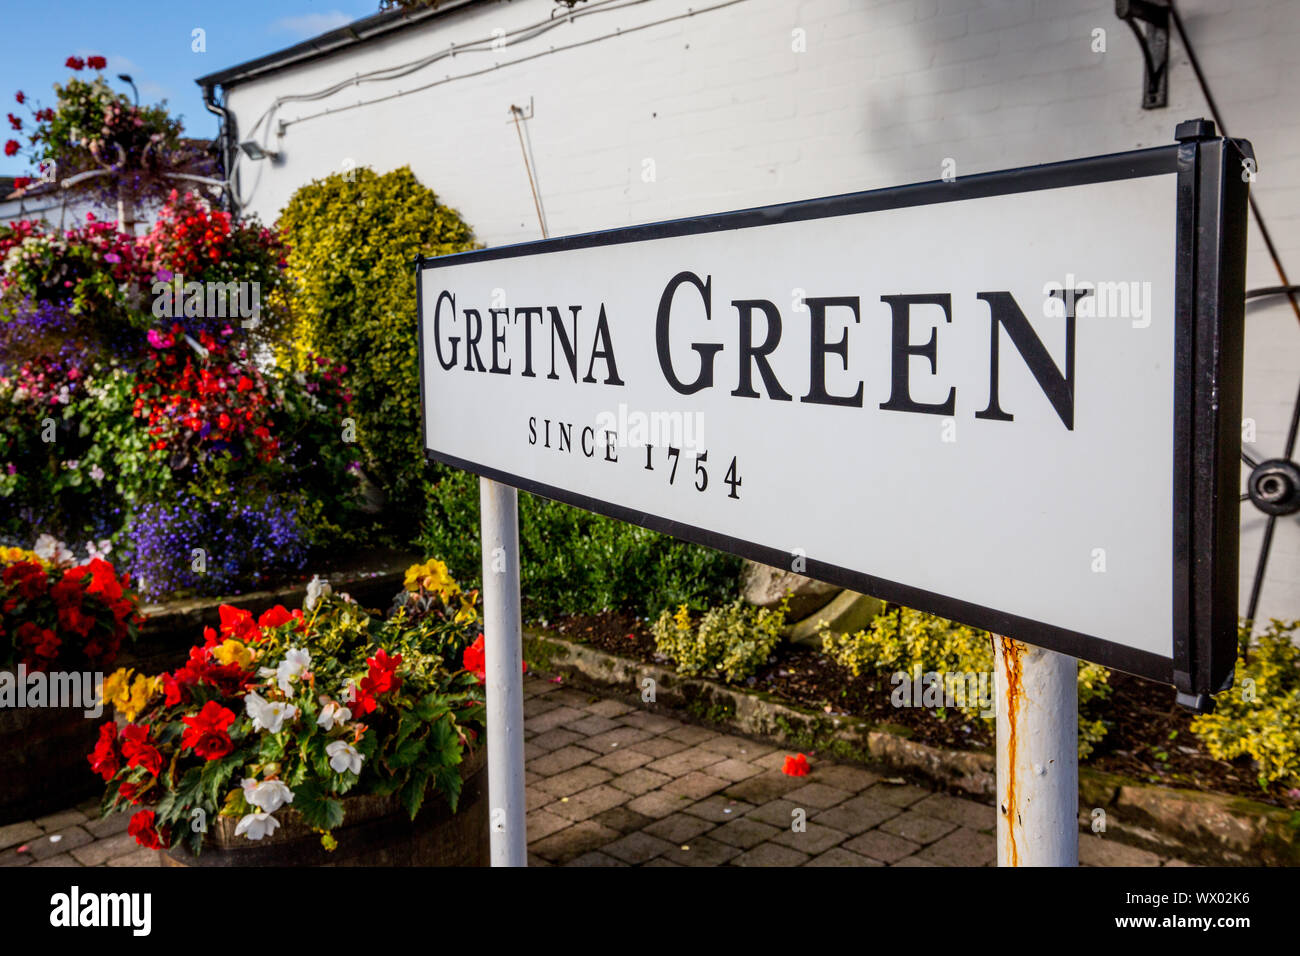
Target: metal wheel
{"points": [[1273, 484]]}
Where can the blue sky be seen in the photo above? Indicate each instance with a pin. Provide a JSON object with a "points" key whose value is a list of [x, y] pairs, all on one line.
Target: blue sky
{"points": [[151, 41]]}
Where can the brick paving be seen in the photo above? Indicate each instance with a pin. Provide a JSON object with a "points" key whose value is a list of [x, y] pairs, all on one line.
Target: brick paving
{"points": [[612, 785]]}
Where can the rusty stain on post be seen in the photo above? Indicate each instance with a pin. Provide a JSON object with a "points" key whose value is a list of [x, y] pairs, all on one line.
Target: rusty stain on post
{"points": [[1037, 740], [1010, 659]]}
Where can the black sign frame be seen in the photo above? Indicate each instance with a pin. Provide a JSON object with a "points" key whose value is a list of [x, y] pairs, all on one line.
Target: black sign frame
{"points": [[1210, 237]]}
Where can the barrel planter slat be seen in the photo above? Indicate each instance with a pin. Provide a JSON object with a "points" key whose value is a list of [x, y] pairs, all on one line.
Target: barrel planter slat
{"points": [[376, 831], [43, 766]]}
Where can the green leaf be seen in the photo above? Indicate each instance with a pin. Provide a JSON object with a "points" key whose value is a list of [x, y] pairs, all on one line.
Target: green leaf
{"points": [[343, 782], [215, 775], [386, 786], [412, 795], [191, 786], [406, 754], [317, 808], [167, 809], [444, 741], [449, 782], [272, 750]]}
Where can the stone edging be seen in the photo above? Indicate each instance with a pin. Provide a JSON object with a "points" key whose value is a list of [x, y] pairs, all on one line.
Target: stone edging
{"points": [[1208, 828]]}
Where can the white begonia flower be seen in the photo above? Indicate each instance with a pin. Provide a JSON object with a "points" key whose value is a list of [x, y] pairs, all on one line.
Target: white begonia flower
{"points": [[268, 715], [343, 756], [295, 663], [51, 549], [280, 713], [333, 714], [257, 825], [317, 588], [255, 707], [268, 795]]}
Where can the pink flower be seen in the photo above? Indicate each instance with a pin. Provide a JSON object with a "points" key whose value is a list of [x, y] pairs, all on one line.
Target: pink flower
{"points": [[160, 340]]}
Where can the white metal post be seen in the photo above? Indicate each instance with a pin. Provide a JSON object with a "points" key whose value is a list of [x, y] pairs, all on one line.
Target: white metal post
{"points": [[1037, 755], [503, 648]]}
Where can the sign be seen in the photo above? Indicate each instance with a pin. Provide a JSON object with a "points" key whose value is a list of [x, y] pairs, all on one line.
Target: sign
{"points": [[1011, 399]]}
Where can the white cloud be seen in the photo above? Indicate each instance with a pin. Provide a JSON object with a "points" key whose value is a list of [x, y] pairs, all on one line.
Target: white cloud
{"points": [[311, 24], [150, 92]]}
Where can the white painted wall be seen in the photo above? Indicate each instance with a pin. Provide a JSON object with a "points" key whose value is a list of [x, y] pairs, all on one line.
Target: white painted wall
{"points": [[54, 211], [731, 116]]}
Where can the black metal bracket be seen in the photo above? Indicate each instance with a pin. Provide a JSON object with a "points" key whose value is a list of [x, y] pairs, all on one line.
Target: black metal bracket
{"points": [[1154, 43], [1197, 703]]}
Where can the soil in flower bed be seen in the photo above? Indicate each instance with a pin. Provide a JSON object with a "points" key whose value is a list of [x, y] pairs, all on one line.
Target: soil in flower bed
{"points": [[1149, 738]]}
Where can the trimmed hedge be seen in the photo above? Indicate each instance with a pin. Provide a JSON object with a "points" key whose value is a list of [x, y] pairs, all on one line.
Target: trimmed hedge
{"points": [[353, 239], [576, 562]]}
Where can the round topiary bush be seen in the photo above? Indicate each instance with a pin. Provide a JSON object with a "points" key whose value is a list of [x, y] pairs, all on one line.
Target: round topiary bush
{"points": [[353, 239]]}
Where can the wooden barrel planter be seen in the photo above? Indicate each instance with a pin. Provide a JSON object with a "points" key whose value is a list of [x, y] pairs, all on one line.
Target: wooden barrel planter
{"points": [[376, 831], [43, 766]]}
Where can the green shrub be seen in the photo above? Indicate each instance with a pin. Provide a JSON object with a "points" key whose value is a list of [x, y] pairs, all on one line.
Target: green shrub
{"points": [[732, 641], [352, 248], [576, 562], [906, 640], [1260, 716]]}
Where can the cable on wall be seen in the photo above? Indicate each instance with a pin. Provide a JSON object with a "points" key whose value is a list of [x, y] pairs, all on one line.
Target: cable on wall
{"points": [[478, 46]]}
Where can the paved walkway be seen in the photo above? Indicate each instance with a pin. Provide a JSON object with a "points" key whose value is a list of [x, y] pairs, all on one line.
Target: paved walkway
{"points": [[614, 785]]}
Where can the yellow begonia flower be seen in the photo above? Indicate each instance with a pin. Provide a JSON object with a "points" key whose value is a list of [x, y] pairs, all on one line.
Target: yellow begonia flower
{"points": [[19, 555], [413, 575], [116, 688], [467, 613], [434, 577], [143, 690], [129, 697], [234, 652]]}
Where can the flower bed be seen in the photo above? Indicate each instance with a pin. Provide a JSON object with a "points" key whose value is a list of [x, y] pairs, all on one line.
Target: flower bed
{"points": [[141, 410], [57, 615], [282, 717], [64, 622], [165, 438], [1250, 747]]}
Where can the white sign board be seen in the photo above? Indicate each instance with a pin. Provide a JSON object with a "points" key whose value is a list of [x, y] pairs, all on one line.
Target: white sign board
{"points": [[976, 397]]}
